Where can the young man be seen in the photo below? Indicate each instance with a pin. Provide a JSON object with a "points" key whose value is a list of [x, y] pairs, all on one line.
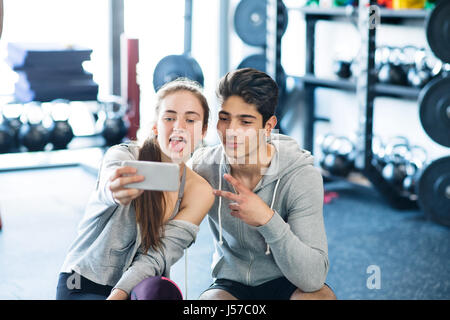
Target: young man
{"points": [[267, 217]]}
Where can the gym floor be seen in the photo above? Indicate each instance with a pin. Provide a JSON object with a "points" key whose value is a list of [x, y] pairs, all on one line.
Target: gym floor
{"points": [[41, 209]]}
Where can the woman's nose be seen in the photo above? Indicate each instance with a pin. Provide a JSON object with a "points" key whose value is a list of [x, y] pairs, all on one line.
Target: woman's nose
{"points": [[180, 124]]}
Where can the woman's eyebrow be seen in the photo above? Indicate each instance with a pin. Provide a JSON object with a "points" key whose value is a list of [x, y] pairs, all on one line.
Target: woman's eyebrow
{"points": [[192, 112], [186, 113]]}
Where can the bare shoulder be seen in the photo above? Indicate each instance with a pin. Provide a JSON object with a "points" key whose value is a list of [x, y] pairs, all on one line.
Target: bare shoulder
{"points": [[196, 183], [198, 198]]}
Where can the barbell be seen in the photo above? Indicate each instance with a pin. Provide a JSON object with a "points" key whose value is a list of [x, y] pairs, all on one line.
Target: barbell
{"points": [[250, 21], [433, 191], [434, 110]]}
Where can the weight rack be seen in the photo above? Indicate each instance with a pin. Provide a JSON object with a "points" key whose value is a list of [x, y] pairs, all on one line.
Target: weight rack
{"points": [[366, 88]]}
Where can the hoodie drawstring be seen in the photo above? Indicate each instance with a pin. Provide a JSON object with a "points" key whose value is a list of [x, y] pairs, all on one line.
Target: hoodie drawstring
{"points": [[219, 210], [220, 204], [271, 208], [185, 274]]}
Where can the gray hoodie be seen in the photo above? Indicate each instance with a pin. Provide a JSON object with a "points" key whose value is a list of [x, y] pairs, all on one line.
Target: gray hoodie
{"points": [[293, 243]]}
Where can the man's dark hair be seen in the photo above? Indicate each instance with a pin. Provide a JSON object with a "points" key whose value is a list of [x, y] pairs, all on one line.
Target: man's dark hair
{"points": [[254, 87]]}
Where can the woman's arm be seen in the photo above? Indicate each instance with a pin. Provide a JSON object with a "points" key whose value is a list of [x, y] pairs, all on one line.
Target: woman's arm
{"points": [[179, 234]]}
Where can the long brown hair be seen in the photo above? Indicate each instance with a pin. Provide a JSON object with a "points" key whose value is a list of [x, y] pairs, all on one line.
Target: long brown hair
{"points": [[150, 206]]}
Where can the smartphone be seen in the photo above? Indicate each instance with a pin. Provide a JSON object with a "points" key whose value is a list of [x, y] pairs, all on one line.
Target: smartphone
{"points": [[159, 176]]}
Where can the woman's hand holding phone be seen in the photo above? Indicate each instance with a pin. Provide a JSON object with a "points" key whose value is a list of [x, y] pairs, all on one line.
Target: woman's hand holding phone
{"points": [[121, 177]]}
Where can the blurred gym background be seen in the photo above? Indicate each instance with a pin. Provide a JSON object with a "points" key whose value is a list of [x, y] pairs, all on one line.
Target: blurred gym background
{"points": [[371, 104]]}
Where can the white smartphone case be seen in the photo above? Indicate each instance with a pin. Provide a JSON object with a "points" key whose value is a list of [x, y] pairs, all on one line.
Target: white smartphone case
{"points": [[159, 176]]}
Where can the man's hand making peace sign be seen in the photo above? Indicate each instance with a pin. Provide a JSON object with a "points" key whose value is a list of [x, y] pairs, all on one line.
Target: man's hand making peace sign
{"points": [[246, 205]]}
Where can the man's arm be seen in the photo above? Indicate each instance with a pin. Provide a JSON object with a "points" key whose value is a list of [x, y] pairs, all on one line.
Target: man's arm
{"points": [[299, 246]]}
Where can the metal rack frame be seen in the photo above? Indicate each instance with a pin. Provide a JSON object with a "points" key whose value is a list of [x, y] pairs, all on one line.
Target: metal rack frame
{"points": [[366, 87]]}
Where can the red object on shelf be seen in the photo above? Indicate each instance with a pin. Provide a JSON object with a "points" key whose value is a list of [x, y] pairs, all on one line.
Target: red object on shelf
{"points": [[130, 87], [385, 3]]}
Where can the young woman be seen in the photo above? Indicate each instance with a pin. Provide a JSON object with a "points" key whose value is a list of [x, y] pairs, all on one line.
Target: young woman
{"points": [[122, 238]]}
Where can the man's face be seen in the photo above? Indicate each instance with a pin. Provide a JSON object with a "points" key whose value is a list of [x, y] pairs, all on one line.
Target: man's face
{"points": [[240, 128]]}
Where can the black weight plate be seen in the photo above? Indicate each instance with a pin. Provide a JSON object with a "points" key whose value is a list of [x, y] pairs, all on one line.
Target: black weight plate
{"points": [[438, 31], [433, 191], [258, 62], [176, 66], [250, 21], [434, 109]]}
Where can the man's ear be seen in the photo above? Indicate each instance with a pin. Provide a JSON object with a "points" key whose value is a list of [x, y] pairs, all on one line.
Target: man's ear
{"points": [[270, 125]]}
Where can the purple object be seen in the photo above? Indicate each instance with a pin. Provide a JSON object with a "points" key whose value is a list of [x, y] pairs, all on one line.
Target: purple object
{"points": [[156, 288]]}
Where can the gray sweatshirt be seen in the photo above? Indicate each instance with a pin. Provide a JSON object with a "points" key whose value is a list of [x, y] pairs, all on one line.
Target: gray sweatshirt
{"points": [[107, 249], [293, 243]]}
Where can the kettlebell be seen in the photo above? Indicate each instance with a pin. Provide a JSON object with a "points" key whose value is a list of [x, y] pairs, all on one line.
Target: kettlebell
{"points": [[33, 135], [115, 127], [378, 152], [416, 162], [61, 132], [395, 169], [420, 73], [338, 157], [114, 130], [342, 68], [391, 72], [6, 138], [11, 119]]}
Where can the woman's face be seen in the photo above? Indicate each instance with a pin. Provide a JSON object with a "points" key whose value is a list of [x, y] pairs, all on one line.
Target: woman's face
{"points": [[179, 125]]}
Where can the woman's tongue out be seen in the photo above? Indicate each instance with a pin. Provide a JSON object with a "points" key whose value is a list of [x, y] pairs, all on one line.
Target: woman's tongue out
{"points": [[177, 145]]}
